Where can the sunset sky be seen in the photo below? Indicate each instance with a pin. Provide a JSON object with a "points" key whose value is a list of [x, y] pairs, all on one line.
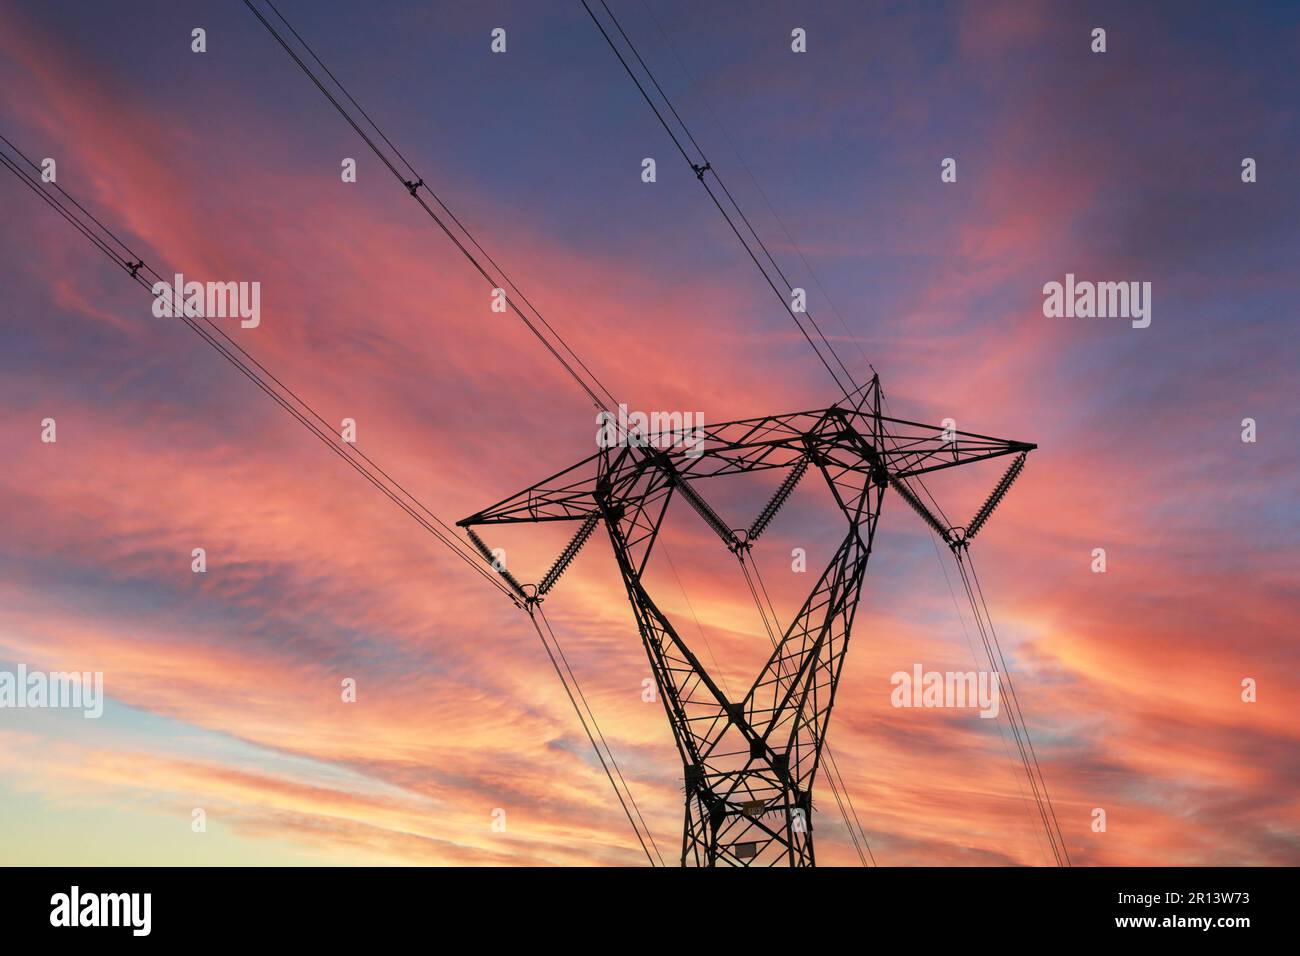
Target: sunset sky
{"points": [[223, 688]]}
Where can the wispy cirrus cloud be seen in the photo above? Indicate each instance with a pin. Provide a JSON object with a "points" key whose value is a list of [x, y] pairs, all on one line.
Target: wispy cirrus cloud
{"points": [[1130, 680]]}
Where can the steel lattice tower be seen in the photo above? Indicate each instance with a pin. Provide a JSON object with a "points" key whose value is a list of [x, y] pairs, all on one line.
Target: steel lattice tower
{"points": [[750, 764]]}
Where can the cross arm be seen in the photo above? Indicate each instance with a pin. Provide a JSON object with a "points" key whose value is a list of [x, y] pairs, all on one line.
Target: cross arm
{"points": [[915, 448]]}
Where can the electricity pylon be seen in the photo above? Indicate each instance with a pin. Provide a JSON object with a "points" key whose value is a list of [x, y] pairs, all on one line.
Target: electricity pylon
{"points": [[750, 763]]}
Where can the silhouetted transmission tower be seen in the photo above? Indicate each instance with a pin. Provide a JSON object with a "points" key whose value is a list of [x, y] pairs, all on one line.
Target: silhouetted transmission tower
{"points": [[750, 763]]}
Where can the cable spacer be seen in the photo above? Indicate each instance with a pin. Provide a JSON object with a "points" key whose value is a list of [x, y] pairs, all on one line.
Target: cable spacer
{"points": [[701, 170], [412, 186]]}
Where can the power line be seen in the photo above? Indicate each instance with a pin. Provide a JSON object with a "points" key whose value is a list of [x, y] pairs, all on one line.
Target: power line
{"points": [[139, 273], [533, 613], [272, 386], [413, 186], [961, 621], [700, 169], [754, 180], [1038, 770], [1019, 732], [417, 183]]}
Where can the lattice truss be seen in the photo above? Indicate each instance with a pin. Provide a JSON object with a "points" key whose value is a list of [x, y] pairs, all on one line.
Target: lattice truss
{"points": [[750, 764]]}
